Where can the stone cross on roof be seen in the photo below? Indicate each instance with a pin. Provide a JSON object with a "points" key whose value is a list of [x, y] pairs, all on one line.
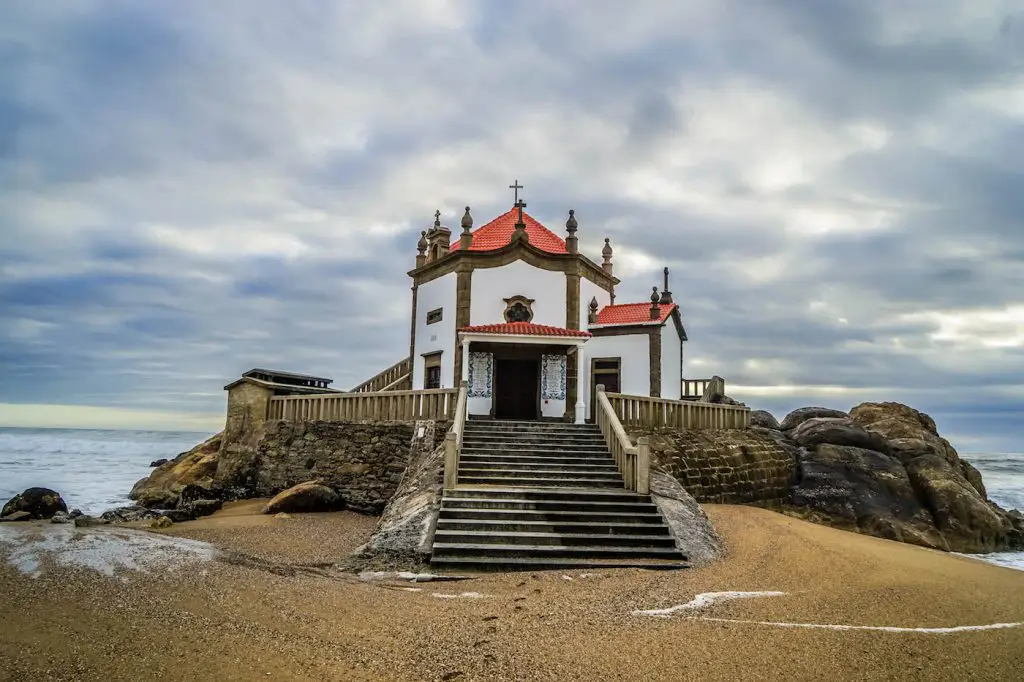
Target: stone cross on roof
{"points": [[516, 187]]}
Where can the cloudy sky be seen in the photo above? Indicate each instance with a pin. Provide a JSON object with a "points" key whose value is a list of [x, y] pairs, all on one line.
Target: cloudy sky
{"points": [[190, 189]]}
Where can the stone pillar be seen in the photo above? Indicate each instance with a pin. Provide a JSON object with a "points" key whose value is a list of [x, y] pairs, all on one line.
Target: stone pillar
{"points": [[463, 291], [572, 321], [248, 402], [465, 364], [580, 404], [654, 348]]}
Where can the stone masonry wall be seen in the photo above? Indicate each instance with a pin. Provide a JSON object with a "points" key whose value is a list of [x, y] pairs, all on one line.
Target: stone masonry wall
{"points": [[363, 462], [737, 466]]}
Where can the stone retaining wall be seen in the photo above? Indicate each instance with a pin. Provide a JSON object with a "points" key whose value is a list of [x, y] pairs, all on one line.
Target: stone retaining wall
{"points": [[726, 466], [363, 462]]}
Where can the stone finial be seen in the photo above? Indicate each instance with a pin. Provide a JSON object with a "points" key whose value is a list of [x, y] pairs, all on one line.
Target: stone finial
{"points": [[666, 295], [655, 300], [519, 233], [421, 249], [437, 219], [592, 316], [466, 238], [571, 242], [606, 253]]}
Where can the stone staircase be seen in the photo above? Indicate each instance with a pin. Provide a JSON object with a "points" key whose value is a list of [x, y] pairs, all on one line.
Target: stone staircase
{"points": [[538, 495]]}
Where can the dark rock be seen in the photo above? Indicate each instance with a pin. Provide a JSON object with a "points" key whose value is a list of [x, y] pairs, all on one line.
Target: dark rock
{"points": [[764, 419], [311, 496], [129, 514], [158, 462], [75, 513], [162, 487], [162, 522], [967, 521], [178, 515], [193, 492], [61, 517], [864, 490], [155, 498], [198, 508], [17, 516], [85, 521], [836, 431], [800, 415], [973, 477], [40, 503]]}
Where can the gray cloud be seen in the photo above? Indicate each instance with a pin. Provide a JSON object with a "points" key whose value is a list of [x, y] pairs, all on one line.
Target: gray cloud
{"points": [[187, 193]]}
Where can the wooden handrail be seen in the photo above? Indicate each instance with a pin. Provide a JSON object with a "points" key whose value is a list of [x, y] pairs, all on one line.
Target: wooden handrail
{"points": [[633, 460], [645, 412], [436, 403], [453, 439], [387, 380]]}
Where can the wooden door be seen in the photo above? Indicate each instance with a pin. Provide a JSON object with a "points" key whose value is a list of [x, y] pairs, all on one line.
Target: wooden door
{"points": [[515, 388]]}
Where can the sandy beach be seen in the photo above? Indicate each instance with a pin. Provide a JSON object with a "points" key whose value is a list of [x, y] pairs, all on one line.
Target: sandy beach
{"points": [[266, 605]]}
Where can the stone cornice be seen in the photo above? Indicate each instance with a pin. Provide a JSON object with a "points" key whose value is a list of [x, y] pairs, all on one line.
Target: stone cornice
{"points": [[569, 263]]}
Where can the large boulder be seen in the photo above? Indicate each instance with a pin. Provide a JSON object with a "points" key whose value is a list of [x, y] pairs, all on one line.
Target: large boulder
{"points": [[39, 503], [163, 487], [764, 419], [837, 431], [863, 490], [802, 414], [311, 496], [690, 526]]}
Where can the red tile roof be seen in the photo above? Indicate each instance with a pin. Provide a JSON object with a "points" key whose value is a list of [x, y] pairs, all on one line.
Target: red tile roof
{"points": [[633, 313], [498, 233], [524, 328]]}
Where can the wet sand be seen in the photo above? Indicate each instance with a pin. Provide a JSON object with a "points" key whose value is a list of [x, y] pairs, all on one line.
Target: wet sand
{"points": [[272, 610]]}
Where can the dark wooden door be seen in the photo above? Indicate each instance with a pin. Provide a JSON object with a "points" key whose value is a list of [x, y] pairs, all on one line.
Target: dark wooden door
{"points": [[515, 388]]}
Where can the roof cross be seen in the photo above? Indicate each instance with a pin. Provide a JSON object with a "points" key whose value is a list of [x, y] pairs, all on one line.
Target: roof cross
{"points": [[516, 187], [520, 204]]}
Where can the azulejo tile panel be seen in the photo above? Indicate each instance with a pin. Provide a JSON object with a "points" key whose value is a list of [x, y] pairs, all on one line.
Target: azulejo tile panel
{"points": [[481, 367], [553, 377]]}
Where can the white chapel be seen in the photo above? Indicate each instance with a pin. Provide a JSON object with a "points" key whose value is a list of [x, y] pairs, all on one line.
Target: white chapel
{"points": [[531, 324]]}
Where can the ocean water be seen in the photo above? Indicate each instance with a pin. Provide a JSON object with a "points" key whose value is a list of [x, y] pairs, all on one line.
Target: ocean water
{"points": [[95, 469]]}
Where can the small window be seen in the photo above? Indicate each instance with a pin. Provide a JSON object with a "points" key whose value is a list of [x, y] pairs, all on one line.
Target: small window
{"points": [[433, 378], [607, 364], [435, 315]]}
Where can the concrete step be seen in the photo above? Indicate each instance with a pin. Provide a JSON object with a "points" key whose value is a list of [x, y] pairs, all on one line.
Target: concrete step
{"points": [[489, 563], [609, 473], [534, 427], [583, 551], [515, 458], [548, 517], [471, 448], [476, 462], [550, 505], [607, 541], [501, 526], [506, 479], [530, 437], [576, 496]]}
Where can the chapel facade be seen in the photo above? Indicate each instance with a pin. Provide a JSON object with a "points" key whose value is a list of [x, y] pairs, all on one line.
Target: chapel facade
{"points": [[531, 324]]}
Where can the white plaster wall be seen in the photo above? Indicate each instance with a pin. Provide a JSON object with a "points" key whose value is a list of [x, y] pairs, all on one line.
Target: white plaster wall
{"points": [[491, 285], [671, 362], [440, 336], [635, 367], [552, 408], [589, 290], [478, 405]]}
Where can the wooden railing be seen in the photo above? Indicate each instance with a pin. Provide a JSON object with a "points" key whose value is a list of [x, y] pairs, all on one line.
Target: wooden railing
{"points": [[394, 378], [453, 439], [698, 389], [641, 411], [437, 404], [634, 461]]}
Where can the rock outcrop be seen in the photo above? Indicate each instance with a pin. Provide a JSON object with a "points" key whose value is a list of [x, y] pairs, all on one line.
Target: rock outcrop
{"points": [[883, 469], [403, 536], [38, 503], [197, 467], [690, 526], [311, 496]]}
